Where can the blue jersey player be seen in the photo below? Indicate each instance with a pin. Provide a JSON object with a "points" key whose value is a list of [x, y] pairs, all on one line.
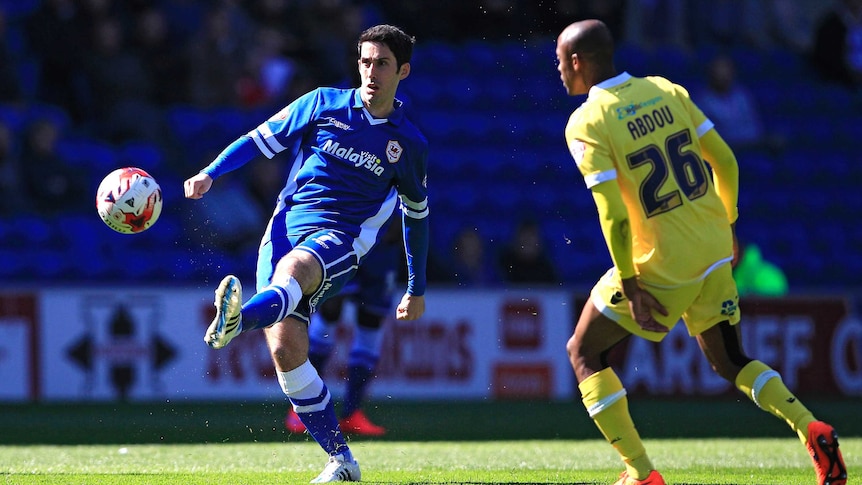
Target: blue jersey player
{"points": [[352, 157], [371, 291]]}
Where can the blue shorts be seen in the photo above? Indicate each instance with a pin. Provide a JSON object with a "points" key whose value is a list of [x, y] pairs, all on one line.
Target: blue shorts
{"points": [[333, 249]]}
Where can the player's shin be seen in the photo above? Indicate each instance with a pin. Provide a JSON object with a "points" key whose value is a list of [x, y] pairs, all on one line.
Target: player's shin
{"points": [[764, 386], [313, 404], [605, 399], [271, 305]]}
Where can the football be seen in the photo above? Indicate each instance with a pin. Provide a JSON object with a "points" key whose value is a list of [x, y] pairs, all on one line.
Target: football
{"points": [[129, 200]]}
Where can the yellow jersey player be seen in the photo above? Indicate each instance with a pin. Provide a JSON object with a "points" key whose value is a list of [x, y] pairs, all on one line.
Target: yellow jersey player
{"points": [[642, 147]]}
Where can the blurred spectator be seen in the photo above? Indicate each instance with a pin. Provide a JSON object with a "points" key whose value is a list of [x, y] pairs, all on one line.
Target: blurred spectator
{"points": [[837, 51], [649, 23], [472, 267], [158, 52], [266, 179], [216, 56], [757, 277], [54, 35], [525, 259], [13, 200], [10, 85], [733, 108], [121, 88], [338, 24], [51, 184], [270, 71]]}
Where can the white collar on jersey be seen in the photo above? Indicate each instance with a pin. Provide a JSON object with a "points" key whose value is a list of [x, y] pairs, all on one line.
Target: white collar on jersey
{"points": [[611, 82], [371, 119]]}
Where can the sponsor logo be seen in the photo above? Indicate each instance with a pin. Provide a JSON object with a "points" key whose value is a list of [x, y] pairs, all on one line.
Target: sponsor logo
{"points": [[329, 237], [394, 151], [617, 297], [366, 160], [729, 308], [330, 121], [317, 296], [624, 112]]}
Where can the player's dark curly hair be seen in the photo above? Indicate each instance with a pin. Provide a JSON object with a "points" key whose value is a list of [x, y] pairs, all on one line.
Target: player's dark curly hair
{"points": [[398, 42]]}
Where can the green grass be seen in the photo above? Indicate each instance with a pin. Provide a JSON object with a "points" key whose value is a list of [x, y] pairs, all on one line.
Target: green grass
{"points": [[682, 461], [703, 442]]}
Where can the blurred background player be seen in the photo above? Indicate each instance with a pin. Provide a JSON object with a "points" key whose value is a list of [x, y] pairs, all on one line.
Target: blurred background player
{"points": [[371, 292], [642, 146]]}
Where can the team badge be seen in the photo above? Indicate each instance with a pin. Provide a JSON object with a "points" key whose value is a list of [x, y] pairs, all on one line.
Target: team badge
{"points": [[281, 115], [394, 151], [577, 149]]}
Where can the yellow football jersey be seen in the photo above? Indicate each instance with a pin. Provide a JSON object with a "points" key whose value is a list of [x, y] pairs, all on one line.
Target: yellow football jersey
{"points": [[643, 134]]}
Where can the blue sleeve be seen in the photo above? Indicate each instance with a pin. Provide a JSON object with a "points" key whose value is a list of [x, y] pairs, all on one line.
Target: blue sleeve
{"points": [[416, 248], [237, 154]]}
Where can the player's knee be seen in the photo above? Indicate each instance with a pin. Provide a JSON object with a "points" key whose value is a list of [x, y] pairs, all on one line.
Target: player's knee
{"points": [[573, 349]]}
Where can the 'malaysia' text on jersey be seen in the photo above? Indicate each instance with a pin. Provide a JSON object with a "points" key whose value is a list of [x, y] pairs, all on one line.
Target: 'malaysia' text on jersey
{"points": [[362, 159]]}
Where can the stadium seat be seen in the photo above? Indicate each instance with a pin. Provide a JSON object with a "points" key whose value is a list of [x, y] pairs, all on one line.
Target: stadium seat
{"points": [[14, 117], [56, 114], [92, 154], [145, 155]]}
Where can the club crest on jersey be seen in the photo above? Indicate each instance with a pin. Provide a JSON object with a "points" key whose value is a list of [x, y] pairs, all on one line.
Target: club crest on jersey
{"points": [[577, 149], [363, 159], [281, 115], [394, 151]]}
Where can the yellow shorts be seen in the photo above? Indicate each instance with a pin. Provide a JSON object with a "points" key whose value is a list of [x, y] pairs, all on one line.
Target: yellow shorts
{"points": [[701, 304]]}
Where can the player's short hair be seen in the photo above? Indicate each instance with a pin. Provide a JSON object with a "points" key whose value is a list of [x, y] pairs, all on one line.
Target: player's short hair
{"points": [[398, 42]]}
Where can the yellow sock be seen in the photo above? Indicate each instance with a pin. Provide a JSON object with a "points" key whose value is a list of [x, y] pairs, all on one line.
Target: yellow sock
{"points": [[605, 399], [764, 386]]}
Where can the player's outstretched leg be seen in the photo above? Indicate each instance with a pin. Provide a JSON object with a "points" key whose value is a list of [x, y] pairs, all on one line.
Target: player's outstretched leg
{"points": [[822, 445], [764, 386], [339, 469], [228, 320]]}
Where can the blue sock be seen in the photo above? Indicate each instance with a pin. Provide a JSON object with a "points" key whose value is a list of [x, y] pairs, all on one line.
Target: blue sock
{"points": [[271, 305], [361, 363], [323, 426], [313, 404]]}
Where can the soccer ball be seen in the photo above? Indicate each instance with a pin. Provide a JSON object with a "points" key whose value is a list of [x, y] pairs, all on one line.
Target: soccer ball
{"points": [[129, 200]]}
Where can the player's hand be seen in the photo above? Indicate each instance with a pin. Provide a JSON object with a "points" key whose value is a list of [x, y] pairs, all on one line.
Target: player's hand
{"points": [[197, 186], [411, 307], [735, 246], [641, 304]]}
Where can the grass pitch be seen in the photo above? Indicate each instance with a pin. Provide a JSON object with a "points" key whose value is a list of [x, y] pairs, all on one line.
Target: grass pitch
{"points": [[681, 461], [699, 442]]}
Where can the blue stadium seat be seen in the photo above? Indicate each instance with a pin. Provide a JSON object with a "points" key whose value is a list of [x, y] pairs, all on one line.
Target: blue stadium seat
{"points": [[56, 114], [88, 153], [14, 117], [144, 155]]}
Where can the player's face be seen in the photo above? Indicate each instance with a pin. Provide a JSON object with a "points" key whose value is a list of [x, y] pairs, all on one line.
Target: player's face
{"points": [[566, 68], [380, 76]]}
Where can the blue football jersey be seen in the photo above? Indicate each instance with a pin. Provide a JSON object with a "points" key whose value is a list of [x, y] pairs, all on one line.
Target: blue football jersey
{"points": [[347, 169]]}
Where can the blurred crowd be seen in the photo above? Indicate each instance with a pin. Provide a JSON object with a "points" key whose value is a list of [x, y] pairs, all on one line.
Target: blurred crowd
{"points": [[117, 70]]}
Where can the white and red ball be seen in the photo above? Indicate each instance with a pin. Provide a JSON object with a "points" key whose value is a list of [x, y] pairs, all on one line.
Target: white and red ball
{"points": [[129, 200]]}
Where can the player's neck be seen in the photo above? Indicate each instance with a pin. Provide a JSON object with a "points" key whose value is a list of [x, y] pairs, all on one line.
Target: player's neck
{"points": [[382, 110]]}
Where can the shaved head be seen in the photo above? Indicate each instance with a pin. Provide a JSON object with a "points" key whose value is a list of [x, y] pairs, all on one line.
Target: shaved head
{"points": [[585, 55], [588, 38]]}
